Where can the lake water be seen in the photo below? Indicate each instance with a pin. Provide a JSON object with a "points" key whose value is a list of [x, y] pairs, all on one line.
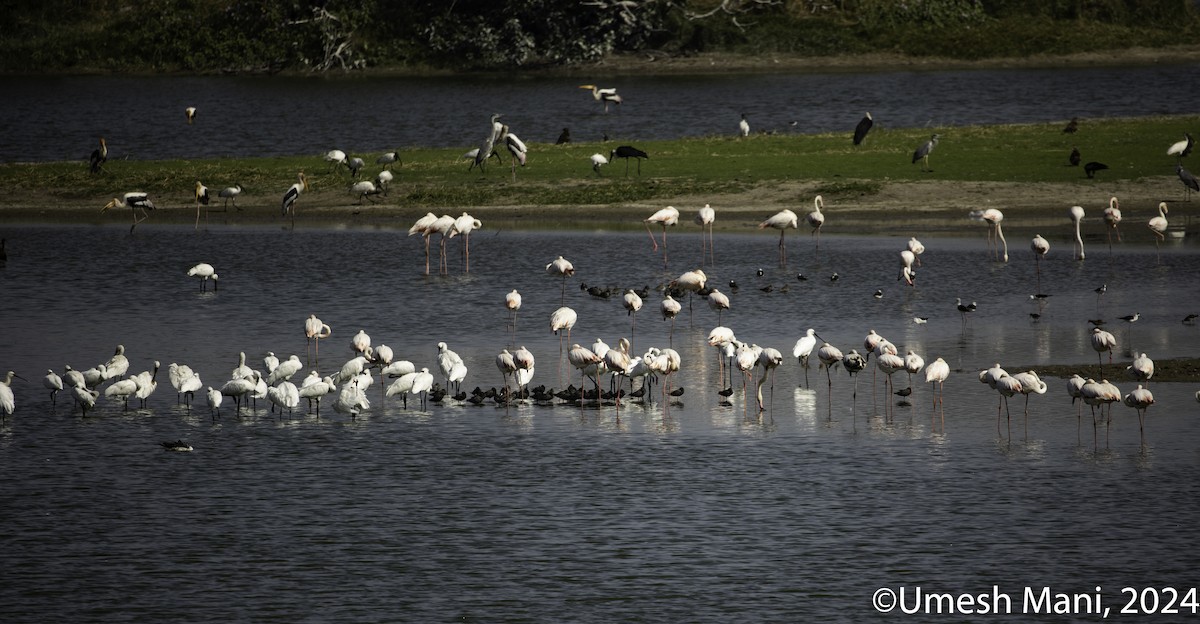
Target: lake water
{"points": [[693, 511], [60, 118]]}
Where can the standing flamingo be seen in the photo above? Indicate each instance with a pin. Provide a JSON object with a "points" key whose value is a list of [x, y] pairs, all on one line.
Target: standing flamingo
{"points": [[1158, 225], [1140, 399], [1030, 384], [937, 372], [632, 303], [705, 219], [1076, 218], [1040, 247], [993, 218], [670, 309], [718, 301], [916, 248], [781, 221], [1103, 341], [665, 217], [1112, 217], [692, 282], [314, 332], [816, 219], [512, 301], [424, 227], [463, 226], [563, 268]]}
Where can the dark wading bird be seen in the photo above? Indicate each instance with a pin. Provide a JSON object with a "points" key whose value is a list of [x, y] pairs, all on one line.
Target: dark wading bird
{"points": [[99, 157], [1092, 167], [863, 127], [627, 152], [292, 194], [565, 137], [1190, 183], [922, 153]]}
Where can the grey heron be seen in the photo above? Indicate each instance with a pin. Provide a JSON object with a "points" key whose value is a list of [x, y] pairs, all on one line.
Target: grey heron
{"points": [[922, 153], [1190, 183]]}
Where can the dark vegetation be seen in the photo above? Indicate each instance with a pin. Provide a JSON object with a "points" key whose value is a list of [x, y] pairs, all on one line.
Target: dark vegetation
{"points": [[346, 35]]}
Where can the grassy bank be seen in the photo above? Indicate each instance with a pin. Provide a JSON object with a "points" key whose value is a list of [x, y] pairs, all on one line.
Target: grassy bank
{"points": [[1022, 167]]}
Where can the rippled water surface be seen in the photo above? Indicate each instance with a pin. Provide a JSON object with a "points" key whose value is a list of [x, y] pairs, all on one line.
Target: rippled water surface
{"points": [[691, 511], [60, 118]]}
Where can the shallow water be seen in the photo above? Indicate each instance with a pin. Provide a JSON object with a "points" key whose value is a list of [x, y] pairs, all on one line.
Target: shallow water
{"points": [[691, 511], [60, 118]]}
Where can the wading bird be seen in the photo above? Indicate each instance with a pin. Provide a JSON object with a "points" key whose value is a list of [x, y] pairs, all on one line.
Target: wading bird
{"points": [[134, 201], [1040, 247], [1158, 225], [781, 221], [7, 401], [387, 158], [705, 218], [1092, 167], [863, 127], [1112, 217], [230, 192], [1102, 341], [744, 126], [993, 218], [424, 227], [190, 114], [603, 95], [627, 152], [922, 152], [598, 160], [365, 189], [512, 301], [291, 195], [99, 157], [1140, 399], [1076, 214], [201, 200], [665, 218], [205, 272], [516, 147], [937, 372], [314, 332], [816, 219], [1181, 148], [804, 348], [53, 383], [670, 309], [335, 158], [1141, 369], [563, 268]]}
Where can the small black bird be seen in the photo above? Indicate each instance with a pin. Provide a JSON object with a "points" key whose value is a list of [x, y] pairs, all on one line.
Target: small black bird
{"points": [[726, 392], [1091, 168], [1034, 316], [1075, 157], [1189, 318], [834, 277], [1096, 322], [733, 286], [676, 392], [1072, 126], [903, 392], [759, 272], [565, 137]]}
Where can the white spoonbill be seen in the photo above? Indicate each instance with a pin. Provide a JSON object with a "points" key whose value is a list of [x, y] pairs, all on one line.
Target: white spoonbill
{"points": [[134, 201], [147, 384], [804, 348], [8, 402], [53, 383], [205, 272], [117, 365]]}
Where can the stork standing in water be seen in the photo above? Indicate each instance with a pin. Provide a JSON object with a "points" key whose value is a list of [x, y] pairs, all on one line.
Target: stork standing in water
{"points": [[201, 200], [291, 195], [134, 201], [781, 221], [665, 218]]}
